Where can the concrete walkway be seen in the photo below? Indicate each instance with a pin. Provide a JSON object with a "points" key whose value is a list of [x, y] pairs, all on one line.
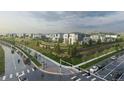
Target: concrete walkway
{"points": [[53, 66]]}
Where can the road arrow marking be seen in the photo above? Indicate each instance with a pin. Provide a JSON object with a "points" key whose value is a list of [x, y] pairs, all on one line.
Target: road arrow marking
{"points": [[32, 69], [78, 79], [4, 77], [11, 75], [73, 77], [93, 79], [23, 72], [28, 71], [17, 74]]}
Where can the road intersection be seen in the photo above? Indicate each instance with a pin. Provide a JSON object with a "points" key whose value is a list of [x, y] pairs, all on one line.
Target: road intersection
{"points": [[13, 69]]}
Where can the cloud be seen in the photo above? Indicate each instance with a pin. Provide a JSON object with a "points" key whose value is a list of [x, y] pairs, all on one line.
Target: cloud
{"points": [[80, 18], [61, 21]]}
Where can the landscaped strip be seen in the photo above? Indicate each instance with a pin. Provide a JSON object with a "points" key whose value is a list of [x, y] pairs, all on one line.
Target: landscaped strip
{"points": [[91, 63], [2, 61], [31, 57]]}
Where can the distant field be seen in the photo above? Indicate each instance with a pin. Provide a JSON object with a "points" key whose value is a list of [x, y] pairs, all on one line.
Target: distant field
{"points": [[2, 61]]}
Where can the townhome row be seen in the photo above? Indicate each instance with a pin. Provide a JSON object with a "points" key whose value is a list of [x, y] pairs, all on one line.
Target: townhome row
{"points": [[71, 38]]}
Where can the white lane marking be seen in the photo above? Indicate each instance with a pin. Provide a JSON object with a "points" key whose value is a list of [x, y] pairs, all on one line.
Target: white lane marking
{"points": [[32, 69], [13, 60], [23, 72], [71, 71], [78, 79], [28, 71], [17, 74], [104, 67], [73, 77], [4, 77], [112, 70], [93, 79], [120, 77], [11, 75], [88, 76]]}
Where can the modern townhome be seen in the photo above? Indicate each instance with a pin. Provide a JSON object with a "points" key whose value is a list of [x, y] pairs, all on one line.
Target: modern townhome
{"points": [[37, 36], [54, 37], [71, 38], [11, 35], [104, 37], [23, 35]]}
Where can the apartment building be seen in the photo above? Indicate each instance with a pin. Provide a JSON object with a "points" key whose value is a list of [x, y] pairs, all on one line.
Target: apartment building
{"points": [[72, 38], [55, 37], [104, 37]]}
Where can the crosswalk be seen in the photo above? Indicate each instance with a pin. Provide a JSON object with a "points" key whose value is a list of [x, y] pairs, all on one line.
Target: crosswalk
{"points": [[15, 75], [84, 75]]}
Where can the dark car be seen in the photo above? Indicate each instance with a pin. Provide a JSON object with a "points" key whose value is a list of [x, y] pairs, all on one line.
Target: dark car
{"points": [[27, 61], [12, 51]]}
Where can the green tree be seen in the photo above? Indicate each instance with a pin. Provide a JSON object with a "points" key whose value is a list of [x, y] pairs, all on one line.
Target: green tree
{"points": [[37, 43], [57, 48], [99, 41], [72, 50], [90, 42]]}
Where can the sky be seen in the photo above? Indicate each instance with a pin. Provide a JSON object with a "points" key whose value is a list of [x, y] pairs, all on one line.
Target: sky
{"points": [[61, 21]]}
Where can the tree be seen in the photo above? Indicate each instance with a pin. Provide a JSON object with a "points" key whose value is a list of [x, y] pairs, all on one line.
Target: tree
{"points": [[72, 50], [117, 46], [37, 43], [99, 41], [57, 48], [90, 42]]}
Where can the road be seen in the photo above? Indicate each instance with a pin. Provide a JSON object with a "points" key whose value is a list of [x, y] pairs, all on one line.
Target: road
{"points": [[13, 69], [51, 65]]}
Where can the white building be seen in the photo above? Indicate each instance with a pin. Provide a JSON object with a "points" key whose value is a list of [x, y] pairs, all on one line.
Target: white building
{"points": [[37, 36], [72, 38], [66, 38], [86, 40], [104, 37], [54, 37]]}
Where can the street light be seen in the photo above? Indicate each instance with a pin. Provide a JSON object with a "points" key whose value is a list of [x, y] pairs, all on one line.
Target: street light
{"points": [[60, 68], [60, 65]]}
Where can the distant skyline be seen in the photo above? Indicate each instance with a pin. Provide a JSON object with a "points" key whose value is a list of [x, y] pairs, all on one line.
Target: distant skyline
{"points": [[56, 22]]}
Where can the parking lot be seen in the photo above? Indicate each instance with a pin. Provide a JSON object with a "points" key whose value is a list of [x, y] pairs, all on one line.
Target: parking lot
{"points": [[112, 69]]}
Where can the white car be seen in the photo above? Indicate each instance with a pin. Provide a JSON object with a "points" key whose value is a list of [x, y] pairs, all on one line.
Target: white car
{"points": [[113, 57], [93, 69]]}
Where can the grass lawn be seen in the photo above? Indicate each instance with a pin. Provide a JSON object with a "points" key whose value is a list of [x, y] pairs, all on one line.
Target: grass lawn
{"points": [[98, 60], [2, 61], [84, 55]]}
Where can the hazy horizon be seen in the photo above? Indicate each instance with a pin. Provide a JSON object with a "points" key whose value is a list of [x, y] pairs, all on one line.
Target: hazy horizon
{"points": [[61, 22]]}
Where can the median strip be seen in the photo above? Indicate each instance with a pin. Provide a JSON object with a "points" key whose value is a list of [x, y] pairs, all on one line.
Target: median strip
{"points": [[2, 61]]}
